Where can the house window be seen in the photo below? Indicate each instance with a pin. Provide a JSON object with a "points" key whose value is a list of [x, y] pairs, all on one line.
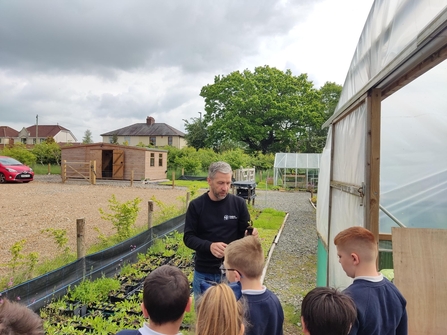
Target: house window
{"points": [[152, 140], [110, 139], [0, 140], [34, 141], [23, 140], [152, 159], [170, 140], [160, 159], [42, 140], [127, 139]]}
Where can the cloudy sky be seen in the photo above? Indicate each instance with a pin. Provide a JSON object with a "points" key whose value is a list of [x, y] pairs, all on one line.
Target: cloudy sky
{"points": [[106, 64]]}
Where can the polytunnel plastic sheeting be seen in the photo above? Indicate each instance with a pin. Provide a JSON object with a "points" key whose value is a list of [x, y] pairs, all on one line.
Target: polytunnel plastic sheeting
{"points": [[413, 176], [389, 36], [39, 291], [324, 179]]}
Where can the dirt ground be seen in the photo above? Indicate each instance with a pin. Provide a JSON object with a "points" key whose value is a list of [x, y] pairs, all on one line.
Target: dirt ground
{"points": [[26, 209]]}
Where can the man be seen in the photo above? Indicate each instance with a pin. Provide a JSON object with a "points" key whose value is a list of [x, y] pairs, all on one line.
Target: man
{"points": [[213, 220]]}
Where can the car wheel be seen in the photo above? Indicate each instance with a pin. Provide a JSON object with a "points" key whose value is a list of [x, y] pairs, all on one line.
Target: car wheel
{"points": [[2, 178]]}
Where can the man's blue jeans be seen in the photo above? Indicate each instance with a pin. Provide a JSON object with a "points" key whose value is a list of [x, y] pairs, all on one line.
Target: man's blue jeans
{"points": [[198, 277]]}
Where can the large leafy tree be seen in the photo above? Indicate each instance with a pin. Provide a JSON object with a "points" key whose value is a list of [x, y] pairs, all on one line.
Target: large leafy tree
{"points": [[268, 110], [315, 137]]}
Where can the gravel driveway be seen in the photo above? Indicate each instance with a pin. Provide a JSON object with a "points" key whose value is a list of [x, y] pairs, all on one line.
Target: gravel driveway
{"points": [[291, 272]]}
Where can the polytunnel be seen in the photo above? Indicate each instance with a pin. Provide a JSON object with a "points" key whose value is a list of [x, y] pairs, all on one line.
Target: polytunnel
{"points": [[384, 166]]}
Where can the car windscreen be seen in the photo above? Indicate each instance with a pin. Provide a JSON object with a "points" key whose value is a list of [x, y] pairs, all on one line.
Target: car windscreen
{"points": [[9, 161]]}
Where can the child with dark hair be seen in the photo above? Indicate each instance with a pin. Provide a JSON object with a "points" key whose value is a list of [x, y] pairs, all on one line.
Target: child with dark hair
{"points": [[17, 319], [381, 308], [244, 263], [166, 298], [326, 311]]}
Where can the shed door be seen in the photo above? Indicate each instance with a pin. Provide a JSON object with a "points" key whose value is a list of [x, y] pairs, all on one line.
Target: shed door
{"points": [[118, 164], [96, 155]]}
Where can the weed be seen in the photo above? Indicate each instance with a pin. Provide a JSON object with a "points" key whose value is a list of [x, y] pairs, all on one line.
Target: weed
{"points": [[123, 215]]}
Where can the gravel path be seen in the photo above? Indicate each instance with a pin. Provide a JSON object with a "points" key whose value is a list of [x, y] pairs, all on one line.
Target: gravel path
{"points": [[291, 272]]}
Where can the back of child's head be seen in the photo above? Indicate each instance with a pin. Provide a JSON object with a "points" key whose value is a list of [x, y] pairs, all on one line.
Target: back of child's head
{"points": [[219, 313], [17, 319], [165, 295], [358, 240], [246, 256], [326, 311]]}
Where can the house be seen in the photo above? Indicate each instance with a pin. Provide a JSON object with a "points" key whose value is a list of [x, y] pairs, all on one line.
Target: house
{"points": [[115, 161], [149, 133], [8, 135], [39, 133]]}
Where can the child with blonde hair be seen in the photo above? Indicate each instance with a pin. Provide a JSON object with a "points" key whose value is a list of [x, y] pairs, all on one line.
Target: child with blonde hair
{"points": [[244, 263], [381, 308], [219, 312]]}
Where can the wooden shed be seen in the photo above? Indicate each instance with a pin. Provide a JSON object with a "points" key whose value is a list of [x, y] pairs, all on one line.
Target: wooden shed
{"points": [[115, 161]]}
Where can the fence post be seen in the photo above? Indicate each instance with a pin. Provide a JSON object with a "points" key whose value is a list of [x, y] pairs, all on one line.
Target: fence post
{"points": [[64, 171], [173, 179], [93, 168], [80, 242], [49, 168], [131, 178], [183, 171], [80, 234], [188, 196], [150, 212]]}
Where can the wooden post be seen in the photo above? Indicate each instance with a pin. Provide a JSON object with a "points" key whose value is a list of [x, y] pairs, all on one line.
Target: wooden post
{"points": [[93, 172], [173, 179], [49, 168], [183, 171], [188, 196], [372, 166], [64, 171], [150, 212], [260, 175], [131, 178], [80, 234]]}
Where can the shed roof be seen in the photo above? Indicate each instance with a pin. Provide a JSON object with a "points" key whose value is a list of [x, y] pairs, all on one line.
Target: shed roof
{"points": [[108, 145], [145, 129]]}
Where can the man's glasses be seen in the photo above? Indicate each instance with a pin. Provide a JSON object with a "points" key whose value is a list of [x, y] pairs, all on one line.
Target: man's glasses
{"points": [[223, 271]]}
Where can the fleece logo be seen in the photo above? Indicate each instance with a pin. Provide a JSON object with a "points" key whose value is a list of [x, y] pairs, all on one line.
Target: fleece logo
{"points": [[230, 217]]}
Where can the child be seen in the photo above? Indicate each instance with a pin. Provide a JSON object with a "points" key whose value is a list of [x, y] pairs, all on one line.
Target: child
{"points": [[166, 297], [219, 313], [381, 308], [17, 319], [244, 262], [326, 311]]}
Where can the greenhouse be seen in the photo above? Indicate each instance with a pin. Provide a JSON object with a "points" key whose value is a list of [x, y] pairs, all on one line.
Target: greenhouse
{"points": [[384, 166], [296, 170]]}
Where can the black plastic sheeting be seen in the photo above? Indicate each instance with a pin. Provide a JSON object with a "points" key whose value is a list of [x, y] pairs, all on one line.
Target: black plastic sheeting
{"points": [[191, 178], [39, 291]]}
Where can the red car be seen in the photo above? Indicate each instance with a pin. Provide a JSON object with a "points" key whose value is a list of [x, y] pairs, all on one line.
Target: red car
{"points": [[12, 170]]}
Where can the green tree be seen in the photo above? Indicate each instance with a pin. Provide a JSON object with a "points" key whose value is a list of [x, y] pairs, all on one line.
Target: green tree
{"points": [[87, 137], [21, 153], [266, 109], [314, 138], [196, 133]]}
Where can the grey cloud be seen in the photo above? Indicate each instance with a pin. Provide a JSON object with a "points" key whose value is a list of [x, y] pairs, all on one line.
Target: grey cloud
{"points": [[94, 37]]}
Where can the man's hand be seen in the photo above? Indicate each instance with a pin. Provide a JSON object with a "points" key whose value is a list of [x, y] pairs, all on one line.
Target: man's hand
{"points": [[218, 248], [254, 232]]}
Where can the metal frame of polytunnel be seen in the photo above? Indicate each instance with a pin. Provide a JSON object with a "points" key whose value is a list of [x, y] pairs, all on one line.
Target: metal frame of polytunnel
{"points": [[400, 42], [296, 161]]}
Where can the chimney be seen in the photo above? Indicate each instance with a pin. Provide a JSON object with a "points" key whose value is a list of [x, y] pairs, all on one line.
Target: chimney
{"points": [[150, 120]]}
